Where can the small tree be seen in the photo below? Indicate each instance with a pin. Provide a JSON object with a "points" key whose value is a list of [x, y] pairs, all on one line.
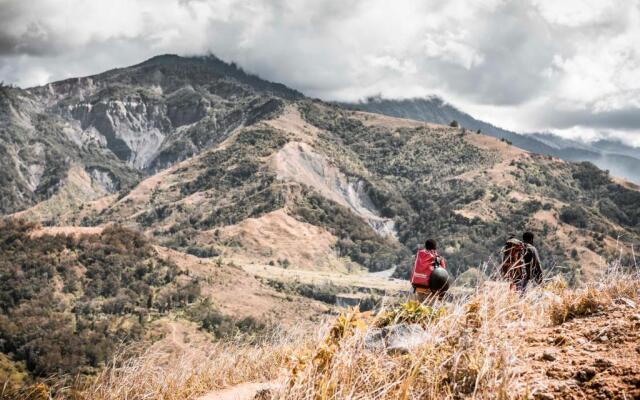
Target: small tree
{"points": [[454, 124]]}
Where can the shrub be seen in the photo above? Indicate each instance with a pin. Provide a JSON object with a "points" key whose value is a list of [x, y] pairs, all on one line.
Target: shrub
{"points": [[575, 215]]}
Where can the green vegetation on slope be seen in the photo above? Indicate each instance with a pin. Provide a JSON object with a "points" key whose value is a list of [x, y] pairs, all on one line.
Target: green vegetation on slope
{"points": [[67, 302], [357, 240], [414, 175]]}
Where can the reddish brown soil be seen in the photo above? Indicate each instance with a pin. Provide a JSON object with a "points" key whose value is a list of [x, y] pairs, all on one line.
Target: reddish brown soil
{"points": [[595, 357]]}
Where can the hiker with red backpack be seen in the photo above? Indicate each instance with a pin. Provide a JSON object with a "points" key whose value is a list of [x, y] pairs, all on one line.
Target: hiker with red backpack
{"points": [[429, 276], [521, 262]]}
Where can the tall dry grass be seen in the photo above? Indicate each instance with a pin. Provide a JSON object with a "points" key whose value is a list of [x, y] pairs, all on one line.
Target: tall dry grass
{"points": [[474, 349], [187, 373]]}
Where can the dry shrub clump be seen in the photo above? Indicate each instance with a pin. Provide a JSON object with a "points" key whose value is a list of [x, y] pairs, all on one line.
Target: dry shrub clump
{"points": [[176, 373], [468, 348], [593, 296]]}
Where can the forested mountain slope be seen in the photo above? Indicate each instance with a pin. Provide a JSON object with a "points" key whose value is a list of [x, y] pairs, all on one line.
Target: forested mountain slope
{"points": [[621, 159]]}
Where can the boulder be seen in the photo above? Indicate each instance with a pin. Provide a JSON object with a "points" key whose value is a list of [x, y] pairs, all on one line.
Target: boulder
{"points": [[402, 338], [374, 340], [397, 339]]}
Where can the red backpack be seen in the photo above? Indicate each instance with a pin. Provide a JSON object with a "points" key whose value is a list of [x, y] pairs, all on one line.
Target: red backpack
{"points": [[512, 267], [426, 262]]}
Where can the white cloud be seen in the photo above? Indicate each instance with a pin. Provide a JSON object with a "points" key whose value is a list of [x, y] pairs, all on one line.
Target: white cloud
{"points": [[538, 65]]}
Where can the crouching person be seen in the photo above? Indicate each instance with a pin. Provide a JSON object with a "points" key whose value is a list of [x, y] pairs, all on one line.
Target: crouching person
{"points": [[427, 261]]}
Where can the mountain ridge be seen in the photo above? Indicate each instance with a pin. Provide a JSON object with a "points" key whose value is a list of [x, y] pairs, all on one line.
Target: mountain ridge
{"points": [[289, 135], [620, 159]]}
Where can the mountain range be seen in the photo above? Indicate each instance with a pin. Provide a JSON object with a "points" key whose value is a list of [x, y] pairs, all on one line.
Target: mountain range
{"points": [[192, 149], [164, 190], [618, 158]]}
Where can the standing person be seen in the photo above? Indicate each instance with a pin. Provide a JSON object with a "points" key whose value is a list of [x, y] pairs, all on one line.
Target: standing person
{"points": [[427, 260], [512, 268], [520, 262]]}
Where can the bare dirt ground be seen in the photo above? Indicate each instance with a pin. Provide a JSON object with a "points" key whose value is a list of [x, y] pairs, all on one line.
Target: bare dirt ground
{"points": [[625, 183], [486, 142], [67, 230], [292, 122], [371, 119], [245, 391], [595, 357], [278, 236], [178, 336], [240, 294]]}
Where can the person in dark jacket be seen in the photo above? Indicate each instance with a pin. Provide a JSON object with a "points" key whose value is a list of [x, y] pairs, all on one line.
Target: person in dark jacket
{"points": [[521, 262], [533, 267]]}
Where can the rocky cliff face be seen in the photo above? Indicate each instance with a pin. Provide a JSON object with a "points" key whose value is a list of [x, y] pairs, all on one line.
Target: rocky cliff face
{"points": [[153, 114], [126, 123], [39, 148]]}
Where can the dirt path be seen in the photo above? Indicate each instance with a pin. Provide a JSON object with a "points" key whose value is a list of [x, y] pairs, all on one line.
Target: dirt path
{"points": [[245, 391], [596, 357]]}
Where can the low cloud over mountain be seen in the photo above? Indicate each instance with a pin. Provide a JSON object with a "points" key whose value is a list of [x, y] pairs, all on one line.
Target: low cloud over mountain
{"points": [[568, 66]]}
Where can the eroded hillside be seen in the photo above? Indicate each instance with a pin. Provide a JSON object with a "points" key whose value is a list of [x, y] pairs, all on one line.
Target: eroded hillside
{"points": [[123, 124], [359, 190]]}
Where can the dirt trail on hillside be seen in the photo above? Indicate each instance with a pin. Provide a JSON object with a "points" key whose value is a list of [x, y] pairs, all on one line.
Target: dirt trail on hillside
{"points": [[245, 391], [67, 230], [596, 357]]}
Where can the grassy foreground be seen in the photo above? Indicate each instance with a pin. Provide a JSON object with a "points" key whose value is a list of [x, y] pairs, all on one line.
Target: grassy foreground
{"points": [[475, 349]]}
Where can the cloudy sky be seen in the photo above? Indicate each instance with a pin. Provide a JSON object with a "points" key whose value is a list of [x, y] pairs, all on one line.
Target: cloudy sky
{"points": [[568, 66]]}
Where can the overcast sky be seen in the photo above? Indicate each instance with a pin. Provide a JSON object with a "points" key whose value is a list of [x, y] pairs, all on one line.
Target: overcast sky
{"points": [[568, 66]]}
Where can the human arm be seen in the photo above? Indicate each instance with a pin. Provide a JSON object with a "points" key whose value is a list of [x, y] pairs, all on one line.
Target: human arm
{"points": [[536, 265]]}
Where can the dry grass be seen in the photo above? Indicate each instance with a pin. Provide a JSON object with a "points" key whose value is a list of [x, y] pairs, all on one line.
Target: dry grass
{"points": [[180, 373], [473, 348]]}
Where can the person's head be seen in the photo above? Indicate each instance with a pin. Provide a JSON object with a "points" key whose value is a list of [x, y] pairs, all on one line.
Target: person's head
{"points": [[429, 244], [527, 237]]}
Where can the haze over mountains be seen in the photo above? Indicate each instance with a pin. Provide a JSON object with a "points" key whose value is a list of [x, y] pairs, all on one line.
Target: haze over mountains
{"points": [[620, 159]]}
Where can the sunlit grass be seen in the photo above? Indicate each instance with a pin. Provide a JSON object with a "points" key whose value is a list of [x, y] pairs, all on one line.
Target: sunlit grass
{"points": [[473, 345]]}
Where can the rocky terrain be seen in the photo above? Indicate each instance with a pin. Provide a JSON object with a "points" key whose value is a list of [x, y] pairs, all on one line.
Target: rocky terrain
{"points": [[594, 357]]}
